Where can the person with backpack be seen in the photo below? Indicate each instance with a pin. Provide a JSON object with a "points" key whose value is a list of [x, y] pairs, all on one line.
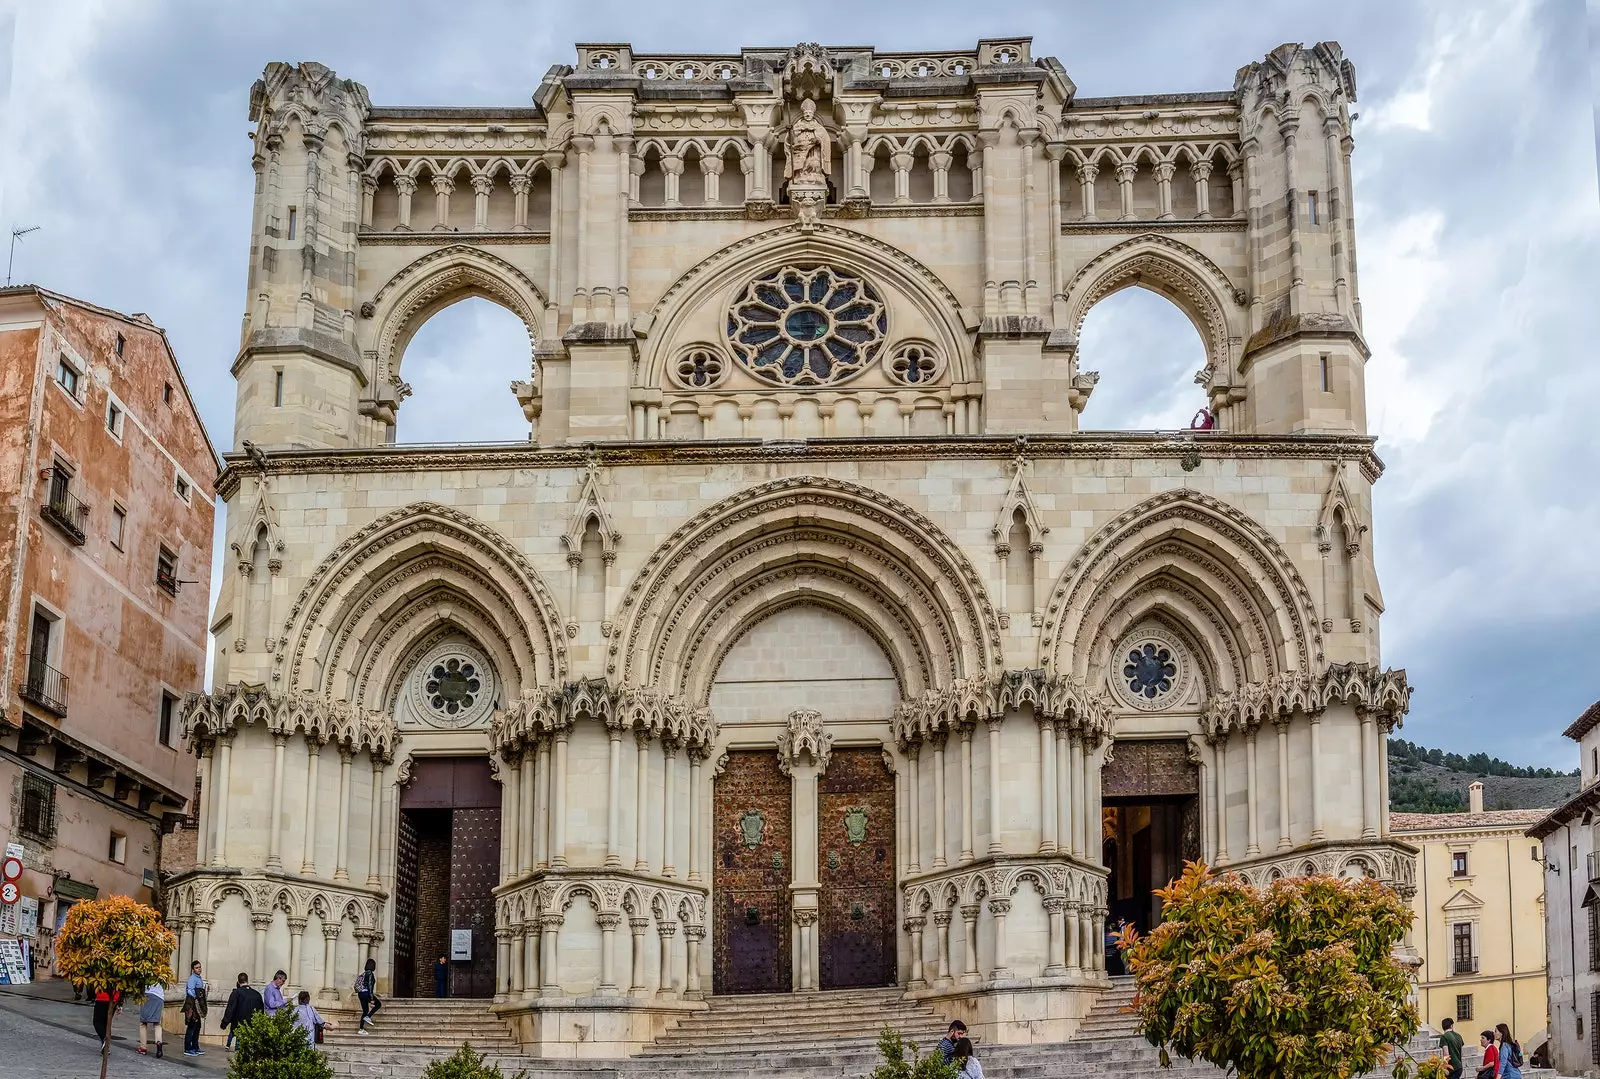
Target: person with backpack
{"points": [[367, 993], [1508, 1053], [1452, 1044]]}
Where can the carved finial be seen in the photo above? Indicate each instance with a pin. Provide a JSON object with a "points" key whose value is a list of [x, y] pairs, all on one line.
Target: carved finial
{"points": [[806, 735]]}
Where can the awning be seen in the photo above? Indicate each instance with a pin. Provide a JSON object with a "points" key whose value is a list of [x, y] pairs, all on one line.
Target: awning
{"points": [[67, 888]]}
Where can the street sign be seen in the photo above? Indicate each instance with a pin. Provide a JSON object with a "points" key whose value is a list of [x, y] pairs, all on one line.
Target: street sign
{"points": [[9, 892], [11, 868], [461, 945]]}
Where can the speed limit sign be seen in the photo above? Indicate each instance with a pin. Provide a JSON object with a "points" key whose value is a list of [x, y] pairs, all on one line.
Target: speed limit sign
{"points": [[9, 893], [11, 868]]}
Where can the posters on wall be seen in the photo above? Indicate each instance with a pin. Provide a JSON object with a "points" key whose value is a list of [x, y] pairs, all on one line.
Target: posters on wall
{"points": [[13, 962]]}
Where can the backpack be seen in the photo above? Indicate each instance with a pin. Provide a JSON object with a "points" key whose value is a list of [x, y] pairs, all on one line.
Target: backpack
{"points": [[1515, 1059]]}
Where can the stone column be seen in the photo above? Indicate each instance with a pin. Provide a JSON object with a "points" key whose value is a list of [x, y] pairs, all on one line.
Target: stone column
{"points": [[328, 991], [275, 822], [692, 936], [969, 962], [369, 188], [1200, 173], [1089, 942], [941, 925], [1252, 842], [1236, 181], [1316, 780], [672, 170], [219, 849], [711, 169], [405, 187], [1064, 822], [614, 799], [481, 186], [1083, 814], [374, 836], [938, 800], [995, 845], [1289, 130], [696, 826], [913, 808], [297, 931], [549, 955], [1074, 941], [914, 926], [669, 838], [636, 984], [260, 921], [665, 990], [186, 950], [998, 909], [1384, 730], [308, 859], [901, 164], [966, 793], [204, 813], [641, 802], [508, 965], [555, 161], [1164, 173], [519, 202], [1369, 777], [1047, 787], [341, 870], [558, 804], [442, 186], [1056, 962], [1125, 174], [1100, 939], [203, 921], [528, 942], [541, 824], [940, 161], [608, 922], [1285, 839], [1220, 742], [525, 810], [1086, 178], [805, 919]]}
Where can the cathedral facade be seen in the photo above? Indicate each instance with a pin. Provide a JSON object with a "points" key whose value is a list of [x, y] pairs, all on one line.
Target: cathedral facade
{"points": [[806, 643]]}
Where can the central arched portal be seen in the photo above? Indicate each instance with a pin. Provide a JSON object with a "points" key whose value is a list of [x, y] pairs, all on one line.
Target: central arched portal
{"points": [[781, 844]]}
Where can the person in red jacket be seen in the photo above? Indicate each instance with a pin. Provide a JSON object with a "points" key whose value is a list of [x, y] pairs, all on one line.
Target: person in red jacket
{"points": [[1491, 1058], [104, 1002]]}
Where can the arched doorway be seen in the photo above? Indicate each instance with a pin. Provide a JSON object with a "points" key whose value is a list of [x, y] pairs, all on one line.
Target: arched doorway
{"points": [[1150, 825]]}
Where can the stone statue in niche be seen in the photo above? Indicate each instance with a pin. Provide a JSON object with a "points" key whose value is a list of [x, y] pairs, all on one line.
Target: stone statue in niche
{"points": [[809, 149]]}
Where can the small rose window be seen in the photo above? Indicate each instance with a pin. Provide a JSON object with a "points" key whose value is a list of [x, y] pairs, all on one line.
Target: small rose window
{"points": [[806, 326], [914, 364], [1149, 671], [699, 368], [452, 686]]}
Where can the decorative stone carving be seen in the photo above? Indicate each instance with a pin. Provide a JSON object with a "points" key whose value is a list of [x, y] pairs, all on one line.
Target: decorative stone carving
{"points": [[806, 735]]}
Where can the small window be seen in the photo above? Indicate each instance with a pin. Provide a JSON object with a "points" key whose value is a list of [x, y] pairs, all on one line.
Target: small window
{"points": [[1327, 380], [114, 419], [121, 342], [1463, 1007], [1458, 864], [118, 849], [181, 486], [291, 222], [277, 388], [1311, 208], [166, 393], [37, 819], [68, 376], [168, 726], [119, 526], [167, 570], [1461, 947]]}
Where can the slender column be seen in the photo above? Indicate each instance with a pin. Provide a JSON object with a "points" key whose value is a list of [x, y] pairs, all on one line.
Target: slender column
{"points": [[940, 160], [1093, 848], [711, 167], [1164, 173], [1099, 939], [636, 986], [1236, 184], [1316, 781], [969, 962], [510, 815], [541, 825], [341, 861], [608, 923], [519, 202], [219, 850], [555, 161], [529, 946], [1200, 173], [1086, 178], [1369, 778], [913, 808], [669, 797], [297, 931], [1221, 744], [329, 990], [1285, 840], [938, 800], [1249, 182], [696, 755], [966, 792], [995, 845], [805, 920], [525, 799], [481, 186], [507, 964], [1253, 842], [274, 826], [442, 186], [1289, 129], [369, 188], [405, 187], [941, 925], [666, 930], [1081, 793], [549, 955], [1125, 174], [260, 921], [914, 926], [1047, 787], [1383, 780], [1063, 791], [1056, 960], [614, 799], [998, 909], [1030, 263], [1074, 941], [205, 814], [186, 951], [373, 835], [1207, 844], [558, 804], [308, 860], [203, 921], [584, 144], [621, 312], [692, 936], [641, 801], [672, 170]]}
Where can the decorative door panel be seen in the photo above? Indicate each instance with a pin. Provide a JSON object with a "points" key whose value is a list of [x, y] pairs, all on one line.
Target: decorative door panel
{"points": [[474, 873], [750, 876], [855, 852], [405, 908]]}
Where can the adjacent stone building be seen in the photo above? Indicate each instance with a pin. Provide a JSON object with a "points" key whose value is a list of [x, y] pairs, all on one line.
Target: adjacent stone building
{"points": [[807, 643], [106, 519]]}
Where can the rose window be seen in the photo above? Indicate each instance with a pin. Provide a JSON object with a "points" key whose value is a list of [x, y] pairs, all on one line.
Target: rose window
{"points": [[807, 326], [699, 369], [915, 364], [452, 686], [1149, 670]]}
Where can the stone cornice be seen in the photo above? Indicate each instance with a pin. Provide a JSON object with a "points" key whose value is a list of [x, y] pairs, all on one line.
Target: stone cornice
{"points": [[1210, 224], [206, 717], [1166, 445], [619, 707], [369, 236]]}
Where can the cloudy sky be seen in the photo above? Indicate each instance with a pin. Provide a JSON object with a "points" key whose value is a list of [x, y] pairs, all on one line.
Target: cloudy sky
{"points": [[1478, 227]]}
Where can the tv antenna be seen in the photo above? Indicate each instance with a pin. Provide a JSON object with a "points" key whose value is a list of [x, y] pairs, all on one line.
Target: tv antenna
{"points": [[16, 234]]}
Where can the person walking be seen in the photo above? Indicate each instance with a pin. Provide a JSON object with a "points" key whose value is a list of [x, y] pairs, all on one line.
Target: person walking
{"points": [[965, 1062], [273, 997], [1452, 1044], [104, 1002], [1491, 1056], [1508, 1053], [367, 993], [155, 999], [441, 978], [194, 1011], [309, 1019], [243, 1002], [947, 1044]]}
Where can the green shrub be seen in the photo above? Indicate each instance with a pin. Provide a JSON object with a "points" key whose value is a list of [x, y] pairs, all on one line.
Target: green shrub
{"points": [[895, 1065], [272, 1047], [468, 1063]]}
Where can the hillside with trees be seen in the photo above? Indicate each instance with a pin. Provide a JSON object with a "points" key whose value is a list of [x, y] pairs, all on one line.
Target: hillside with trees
{"points": [[1423, 780]]}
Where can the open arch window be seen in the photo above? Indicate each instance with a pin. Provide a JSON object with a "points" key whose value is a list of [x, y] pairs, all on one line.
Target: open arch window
{"points": [[807, 325]]}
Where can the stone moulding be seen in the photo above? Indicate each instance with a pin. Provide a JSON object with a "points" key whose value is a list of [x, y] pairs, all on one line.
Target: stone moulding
{"points": [[206, 717], [1052, 697], [200, 892], [543, 712]]}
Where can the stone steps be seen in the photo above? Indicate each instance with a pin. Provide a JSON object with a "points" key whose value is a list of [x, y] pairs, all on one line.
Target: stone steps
{"points": [[420, 1031], [825, 1024]]}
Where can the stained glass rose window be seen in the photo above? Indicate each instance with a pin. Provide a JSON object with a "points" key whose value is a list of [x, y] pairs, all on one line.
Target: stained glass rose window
{"points": [[807, 326], [1149, 670], [452, 686]]}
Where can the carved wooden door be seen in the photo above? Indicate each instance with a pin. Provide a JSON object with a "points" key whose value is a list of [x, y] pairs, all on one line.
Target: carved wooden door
{"points": [[855, 849], [474, 872], [750, 876], [405, 908]]}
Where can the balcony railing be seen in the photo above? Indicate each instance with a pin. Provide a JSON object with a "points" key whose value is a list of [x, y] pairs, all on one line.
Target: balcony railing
{"points": [[167, 581], [1464, 965], [1594, 866], [44, 686], [66, 513]]}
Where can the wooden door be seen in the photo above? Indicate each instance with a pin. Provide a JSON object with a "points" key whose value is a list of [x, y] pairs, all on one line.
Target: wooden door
{"points": [[855, 849], [474, 872], [750, 876], [405, 908]]}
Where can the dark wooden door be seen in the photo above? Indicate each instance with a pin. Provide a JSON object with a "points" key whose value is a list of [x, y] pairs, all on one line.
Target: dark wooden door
{"points": [[855, 849], [474, 872], [405, 907], [750, 877]]}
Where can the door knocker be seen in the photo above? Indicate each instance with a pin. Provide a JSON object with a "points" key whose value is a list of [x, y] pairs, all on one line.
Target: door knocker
{"points": [[857, 912], [833, 859], [751, 827], [752, 916]]}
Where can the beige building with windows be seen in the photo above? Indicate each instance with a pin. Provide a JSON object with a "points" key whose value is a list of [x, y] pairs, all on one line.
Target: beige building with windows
{"points": [[806, 643], [1479, 904]]}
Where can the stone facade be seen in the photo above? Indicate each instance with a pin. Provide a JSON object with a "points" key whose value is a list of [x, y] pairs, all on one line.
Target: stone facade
{"points": [[803, 476]]}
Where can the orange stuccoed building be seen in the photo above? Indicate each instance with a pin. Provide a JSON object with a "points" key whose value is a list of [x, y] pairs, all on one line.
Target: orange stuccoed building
{"points": [[106, 519]]}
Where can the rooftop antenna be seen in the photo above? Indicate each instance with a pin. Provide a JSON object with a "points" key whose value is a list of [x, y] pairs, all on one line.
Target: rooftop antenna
{"points": [[16, 234]]}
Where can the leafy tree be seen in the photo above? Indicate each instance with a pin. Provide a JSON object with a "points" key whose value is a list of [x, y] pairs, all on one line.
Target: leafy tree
{"points": [[895, 1065], [1415, 794], [272, 1047], [1297, 979], [467, 1063], [117, 945]]}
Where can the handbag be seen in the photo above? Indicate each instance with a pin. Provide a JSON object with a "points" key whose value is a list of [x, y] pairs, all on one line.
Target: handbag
{"points": [[317, 1036]]}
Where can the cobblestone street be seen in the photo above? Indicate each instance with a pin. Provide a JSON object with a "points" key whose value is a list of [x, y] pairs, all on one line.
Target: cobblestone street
{"points": [[43, 1048]]}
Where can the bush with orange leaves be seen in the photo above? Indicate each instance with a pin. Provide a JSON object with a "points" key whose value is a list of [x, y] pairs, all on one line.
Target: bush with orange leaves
{"points": [[115, 944]]}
